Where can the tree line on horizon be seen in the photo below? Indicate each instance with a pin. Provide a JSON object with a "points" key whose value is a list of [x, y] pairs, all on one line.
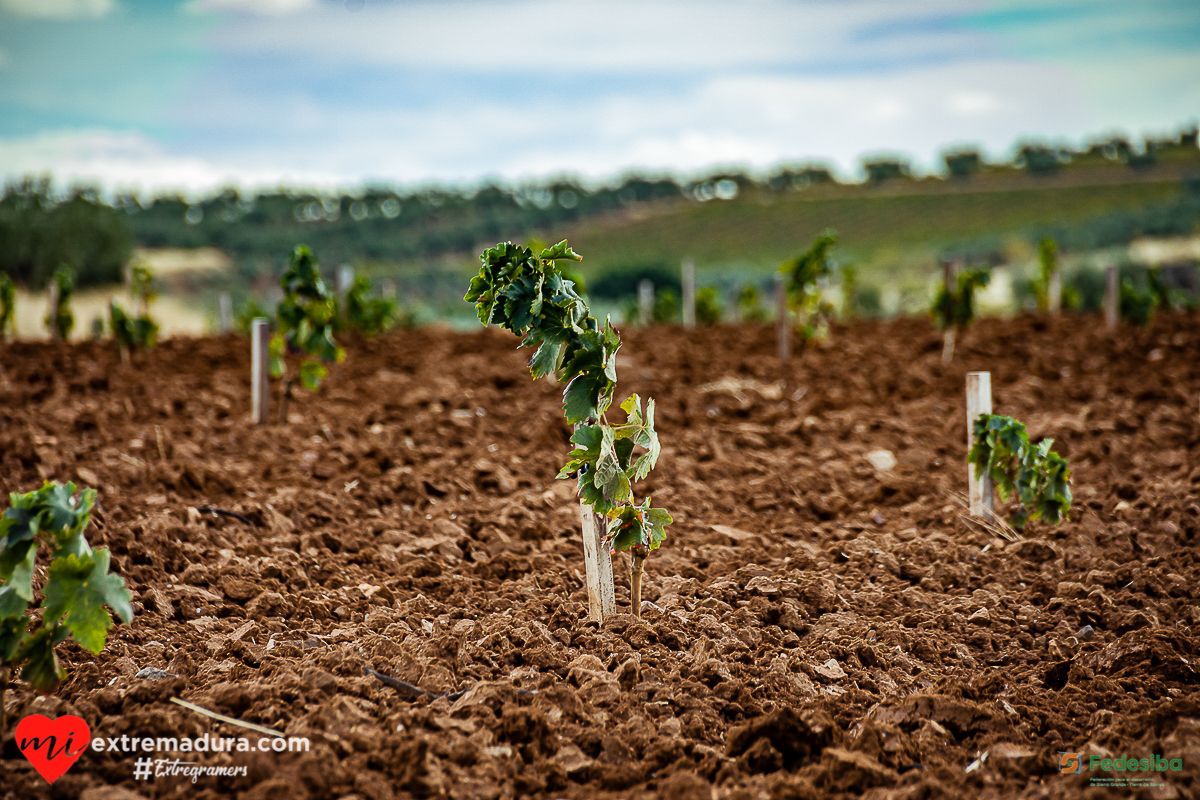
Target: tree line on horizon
{"points": [[41, 231]]}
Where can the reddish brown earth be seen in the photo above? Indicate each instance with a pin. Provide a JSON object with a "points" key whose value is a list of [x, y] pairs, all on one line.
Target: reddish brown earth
{"points": [[819, 627]]}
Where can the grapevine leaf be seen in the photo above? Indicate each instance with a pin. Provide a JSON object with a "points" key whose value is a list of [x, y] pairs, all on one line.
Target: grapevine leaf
{"points": [[12, 634], [612, 481], [62, 512], [585, 353], [658, 519], [80, 588], [585, 396], [546, 360], [559, 252], [624, 448], [311, 373], [640, 430], [588, 441], [42, 670], [276, 349], [18, 579], [523, 301], [626, 530], [18, 532]]}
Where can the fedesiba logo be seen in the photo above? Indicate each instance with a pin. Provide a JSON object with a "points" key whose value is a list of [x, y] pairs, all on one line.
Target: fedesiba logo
{"points": [[1072, 763]]}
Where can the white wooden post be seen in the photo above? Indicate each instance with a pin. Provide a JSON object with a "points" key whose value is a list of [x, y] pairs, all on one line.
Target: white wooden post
{"points": [[345, 279], [646, 301], [51, 316], [597, 561], [224, 313], [1054, 290], [260, 365], [689, 293], [783, 321], [979, 401], [949, 279], [1112, 297]]}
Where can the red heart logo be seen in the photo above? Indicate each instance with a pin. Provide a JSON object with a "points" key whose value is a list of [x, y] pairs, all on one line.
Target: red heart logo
{"points": [[53, 745]]}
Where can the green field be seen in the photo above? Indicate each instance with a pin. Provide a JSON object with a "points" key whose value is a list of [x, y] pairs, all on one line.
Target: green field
{"points": [[886, 232]]}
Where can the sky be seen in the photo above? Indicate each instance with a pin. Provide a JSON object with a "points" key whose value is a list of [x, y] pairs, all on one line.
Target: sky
{"points": [[192, 95]]}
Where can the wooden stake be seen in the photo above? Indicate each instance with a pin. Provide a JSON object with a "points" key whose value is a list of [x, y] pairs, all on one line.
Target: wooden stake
{"points": [[224, 313], [783, 321], [689, 293], [1054, 291], [646, 301], [949, 279], [345, 279], [260, 365], [979, 401], [1112, 297], [602, 598]]}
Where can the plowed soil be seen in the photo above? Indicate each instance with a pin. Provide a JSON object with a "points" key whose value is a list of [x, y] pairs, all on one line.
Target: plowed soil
{"points": [[820, 623]]}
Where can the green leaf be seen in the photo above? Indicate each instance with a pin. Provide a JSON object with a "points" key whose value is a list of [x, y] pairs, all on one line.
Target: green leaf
{"points": [[638, 526], [19, 579], [611, 480], [586, 397], [42, 670], [640, 430], [64, 514], [80, 588], [18, 531], [311, 374], [546, 360], [276, 349], [658, 519], [11, 602], [12, 635], [560, 251]]}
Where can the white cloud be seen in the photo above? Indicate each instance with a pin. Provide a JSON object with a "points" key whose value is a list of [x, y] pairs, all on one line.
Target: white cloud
{"points": [[619, 36], [119, 161], [58, 9], [254, 7], [750, 120], [969, 103]]}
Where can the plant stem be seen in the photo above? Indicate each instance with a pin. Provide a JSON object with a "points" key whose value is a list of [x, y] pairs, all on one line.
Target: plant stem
{"points": [[635, 584]]}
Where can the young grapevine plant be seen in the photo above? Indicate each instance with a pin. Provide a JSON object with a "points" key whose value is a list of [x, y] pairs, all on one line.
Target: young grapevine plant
{"points": [[371, 315], [77, 587], [954, 308], [60, 320], [306, 317], [1038, 478], [140, 332], [527, 294], [804, 275]]}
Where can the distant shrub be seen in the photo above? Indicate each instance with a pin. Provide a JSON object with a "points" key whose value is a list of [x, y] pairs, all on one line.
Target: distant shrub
{"points": [[709, 309], [749, 304]]}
